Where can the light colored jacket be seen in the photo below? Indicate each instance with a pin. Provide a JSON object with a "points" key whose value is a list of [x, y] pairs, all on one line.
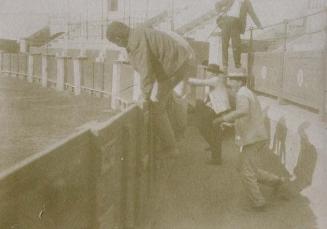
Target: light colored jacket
{"points": [[218, 96], [249, 118], [156, 55]]}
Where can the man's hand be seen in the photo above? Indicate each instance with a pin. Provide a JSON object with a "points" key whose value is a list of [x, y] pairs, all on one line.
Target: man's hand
{"points": [[223, 125], [218, 121]]}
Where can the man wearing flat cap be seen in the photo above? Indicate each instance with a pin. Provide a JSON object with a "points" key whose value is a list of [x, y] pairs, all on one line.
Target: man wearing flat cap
{"points": [[163, 60], [214, 104], [251, 135]]}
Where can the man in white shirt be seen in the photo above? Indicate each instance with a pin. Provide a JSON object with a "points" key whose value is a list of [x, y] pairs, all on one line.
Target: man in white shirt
{"points": [[215, 103]]}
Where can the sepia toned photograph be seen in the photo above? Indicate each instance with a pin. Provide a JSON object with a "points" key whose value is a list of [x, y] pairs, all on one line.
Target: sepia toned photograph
{"points": [[163, 114]]}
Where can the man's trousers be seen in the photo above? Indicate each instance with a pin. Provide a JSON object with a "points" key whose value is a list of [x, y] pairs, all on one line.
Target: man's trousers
{"points": [[213, 135], [231, 31], [251, 175]]}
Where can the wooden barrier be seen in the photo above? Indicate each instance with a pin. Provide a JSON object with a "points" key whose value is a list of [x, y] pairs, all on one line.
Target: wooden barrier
{"points": [[52, 71], [121, 176], [37, 67], [94, 179], [51, 189], [23, 65], [14, 65], [267, 72], [6, 64], [295, 76], [30, 68], [300, 81], [69, 74], [303, 73]]}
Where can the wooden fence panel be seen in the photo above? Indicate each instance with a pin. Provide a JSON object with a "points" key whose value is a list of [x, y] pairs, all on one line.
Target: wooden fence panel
{"points": [[87, 73], [120, 171], [267, 71], [52, 70], [23, 64], [303, 74], [37, 67], [99, 76], [126, 82], [51, 189], [6, 62], [69, 73], [14, 64], [108, 63]]}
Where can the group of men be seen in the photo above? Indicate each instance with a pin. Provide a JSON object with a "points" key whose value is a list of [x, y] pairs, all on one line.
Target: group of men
{"points": [[165, 59]]}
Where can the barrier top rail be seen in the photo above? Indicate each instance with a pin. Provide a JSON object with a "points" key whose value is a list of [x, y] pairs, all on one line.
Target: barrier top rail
{"points": [[288, 20]]}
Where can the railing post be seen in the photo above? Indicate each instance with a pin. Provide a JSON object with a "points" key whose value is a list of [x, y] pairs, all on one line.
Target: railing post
{"points": [[323, 106], [281, 100], [136, 87], [115, 85], [30, 70], [1, 60], [77, 62], [60, 85], [44, 73], [11, 72], [99, 70], [250, 61]]}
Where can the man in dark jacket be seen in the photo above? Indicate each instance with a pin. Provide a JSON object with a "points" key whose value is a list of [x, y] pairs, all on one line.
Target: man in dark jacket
{"points": [[163, 60], [232, 21]]}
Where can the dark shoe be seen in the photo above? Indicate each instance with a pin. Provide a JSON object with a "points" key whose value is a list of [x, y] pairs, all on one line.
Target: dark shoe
{"points": [[280, 189], [260, 208], [208, 149], [213, 162], [173, 153]]}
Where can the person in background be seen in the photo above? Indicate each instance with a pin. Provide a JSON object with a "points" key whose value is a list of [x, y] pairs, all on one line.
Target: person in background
{"points": [[251, 135], [162, 60], [232, 15], [214, 104]]}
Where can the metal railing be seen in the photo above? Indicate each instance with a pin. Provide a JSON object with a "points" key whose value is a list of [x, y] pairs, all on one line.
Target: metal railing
{"points": [[301, 75]]}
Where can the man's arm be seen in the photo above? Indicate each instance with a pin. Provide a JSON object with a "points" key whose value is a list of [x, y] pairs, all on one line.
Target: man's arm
{"points": [[252, 14], [141, 61], [212, 82], [242, 109], [221, 5]]}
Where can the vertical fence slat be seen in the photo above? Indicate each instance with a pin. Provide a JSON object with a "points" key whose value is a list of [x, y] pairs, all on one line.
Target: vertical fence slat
{"points": [[77, 62], [323, 105], [136, 87], [60, 85], [281, 92], [44, 74], [30, 68], [115, 86], [1, 60]]}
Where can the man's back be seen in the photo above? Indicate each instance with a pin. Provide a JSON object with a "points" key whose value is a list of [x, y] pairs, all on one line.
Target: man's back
{"points": [[169, 52], [250, 128]]}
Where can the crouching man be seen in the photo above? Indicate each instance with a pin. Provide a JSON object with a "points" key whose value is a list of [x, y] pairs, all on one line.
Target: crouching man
{"points": [[163, 60], [214, 104], [251, 135]]}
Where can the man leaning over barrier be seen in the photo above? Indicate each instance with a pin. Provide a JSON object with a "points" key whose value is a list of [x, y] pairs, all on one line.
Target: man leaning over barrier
{"points": [[251, 135], [162, 60]]}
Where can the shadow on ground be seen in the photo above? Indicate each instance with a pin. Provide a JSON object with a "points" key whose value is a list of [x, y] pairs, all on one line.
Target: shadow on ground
{"points": [[197, 195]]}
